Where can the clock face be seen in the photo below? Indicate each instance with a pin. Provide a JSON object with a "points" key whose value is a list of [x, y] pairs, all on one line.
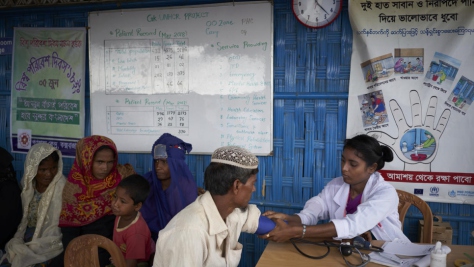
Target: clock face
{"points": [[316, 13]]}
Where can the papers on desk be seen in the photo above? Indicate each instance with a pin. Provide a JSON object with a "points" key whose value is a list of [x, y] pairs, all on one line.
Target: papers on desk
{"points": [[388, 259], [401, 253]]}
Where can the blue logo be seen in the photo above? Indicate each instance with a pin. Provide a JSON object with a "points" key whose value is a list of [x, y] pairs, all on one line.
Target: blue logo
{"points": [[418, 191], [452, 193], [434, 191]]}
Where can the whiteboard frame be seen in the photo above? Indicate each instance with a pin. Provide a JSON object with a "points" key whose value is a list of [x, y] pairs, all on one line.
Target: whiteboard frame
{"points": [[271, 79]]}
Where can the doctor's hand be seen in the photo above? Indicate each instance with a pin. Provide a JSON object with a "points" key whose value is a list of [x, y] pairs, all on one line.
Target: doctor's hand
{"points": [[403, 128], [283, 231], [275, 215], [290, 219]]}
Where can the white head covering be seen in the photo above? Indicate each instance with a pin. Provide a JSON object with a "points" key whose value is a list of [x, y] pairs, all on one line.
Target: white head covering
{"points": [[235, 156], [46, 241]]}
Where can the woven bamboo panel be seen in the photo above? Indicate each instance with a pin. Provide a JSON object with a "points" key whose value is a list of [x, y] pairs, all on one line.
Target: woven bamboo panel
{"points": [[311, 81]]}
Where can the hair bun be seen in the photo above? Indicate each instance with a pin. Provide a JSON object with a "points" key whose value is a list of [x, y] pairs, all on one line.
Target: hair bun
{"points": [[387, 154]]}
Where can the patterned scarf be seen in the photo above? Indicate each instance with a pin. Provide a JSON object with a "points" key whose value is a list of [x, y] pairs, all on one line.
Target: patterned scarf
{"points": [[85, 198]]}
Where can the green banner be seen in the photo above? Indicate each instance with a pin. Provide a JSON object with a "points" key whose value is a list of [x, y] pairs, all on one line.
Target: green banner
{"points": [[48, 85]]}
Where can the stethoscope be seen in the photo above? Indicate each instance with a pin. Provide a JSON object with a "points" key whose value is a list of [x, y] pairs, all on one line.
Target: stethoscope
{"points": [[345, 248]]}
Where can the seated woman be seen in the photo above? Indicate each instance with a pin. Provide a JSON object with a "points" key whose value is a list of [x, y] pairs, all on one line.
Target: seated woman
{"points": [[10, 199], [358, 201], [38, 238], [88, 193], [172, 185]]}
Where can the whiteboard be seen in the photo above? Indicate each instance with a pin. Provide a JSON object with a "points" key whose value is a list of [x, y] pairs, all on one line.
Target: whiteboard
{"points": [[202, 73]]}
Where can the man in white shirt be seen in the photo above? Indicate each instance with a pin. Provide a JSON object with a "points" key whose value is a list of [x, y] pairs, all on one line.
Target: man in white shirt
{"points": [[206, 232]]}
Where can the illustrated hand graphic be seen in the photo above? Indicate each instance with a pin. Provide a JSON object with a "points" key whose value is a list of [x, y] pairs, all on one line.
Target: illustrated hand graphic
{"points": [[405, 129]]}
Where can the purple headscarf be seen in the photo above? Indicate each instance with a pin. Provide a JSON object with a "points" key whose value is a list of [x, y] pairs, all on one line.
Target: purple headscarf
{"points": [[161, 206]]}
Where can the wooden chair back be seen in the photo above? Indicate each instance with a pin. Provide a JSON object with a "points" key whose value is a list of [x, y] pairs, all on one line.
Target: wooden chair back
{"points": [[83, 251], [405, 200]]}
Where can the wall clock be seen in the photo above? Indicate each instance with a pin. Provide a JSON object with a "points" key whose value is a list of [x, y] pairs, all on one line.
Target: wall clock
{"points": [[316, 13]]}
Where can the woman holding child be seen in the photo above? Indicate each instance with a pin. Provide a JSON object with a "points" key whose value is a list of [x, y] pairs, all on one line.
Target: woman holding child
{"points": [[38, 238]]}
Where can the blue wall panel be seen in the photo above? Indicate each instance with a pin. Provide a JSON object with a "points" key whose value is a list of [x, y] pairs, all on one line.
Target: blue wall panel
{"points": [[311, 81]]}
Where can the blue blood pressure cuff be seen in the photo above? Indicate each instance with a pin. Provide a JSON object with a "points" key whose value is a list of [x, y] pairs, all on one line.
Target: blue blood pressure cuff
{"points": [[265, 225]]}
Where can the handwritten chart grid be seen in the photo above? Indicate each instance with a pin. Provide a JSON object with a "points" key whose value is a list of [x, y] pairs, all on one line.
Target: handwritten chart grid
{"points": [[202, 73]]}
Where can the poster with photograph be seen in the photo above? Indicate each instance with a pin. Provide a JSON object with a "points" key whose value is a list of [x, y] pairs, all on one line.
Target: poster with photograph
{"points": [[411, 87]]}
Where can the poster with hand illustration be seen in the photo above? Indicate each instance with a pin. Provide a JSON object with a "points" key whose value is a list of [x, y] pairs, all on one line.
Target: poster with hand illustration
{"points": [[412, 82]]}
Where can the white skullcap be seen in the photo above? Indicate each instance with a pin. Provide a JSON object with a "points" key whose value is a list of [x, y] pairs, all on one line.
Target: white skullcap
{"points": [[235, 156]]}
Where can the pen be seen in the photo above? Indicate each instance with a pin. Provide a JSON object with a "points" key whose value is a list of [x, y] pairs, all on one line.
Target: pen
{"points": [[391, 257]]}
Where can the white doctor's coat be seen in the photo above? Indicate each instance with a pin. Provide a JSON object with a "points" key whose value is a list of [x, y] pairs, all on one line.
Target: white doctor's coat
{"points": [[377, 212]]}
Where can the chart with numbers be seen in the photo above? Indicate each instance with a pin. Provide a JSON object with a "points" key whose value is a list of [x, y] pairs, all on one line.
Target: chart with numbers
{"points": [[203, 73], [147, 120], [166, 59]]}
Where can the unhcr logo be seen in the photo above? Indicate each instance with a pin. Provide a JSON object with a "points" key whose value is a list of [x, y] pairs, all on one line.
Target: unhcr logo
{"points": [[434, 191]]}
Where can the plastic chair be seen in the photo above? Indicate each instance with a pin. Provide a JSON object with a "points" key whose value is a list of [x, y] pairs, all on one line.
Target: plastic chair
{"points": [[405, 200], [83, 251]]}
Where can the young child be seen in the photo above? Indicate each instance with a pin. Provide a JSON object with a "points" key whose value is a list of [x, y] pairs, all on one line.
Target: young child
{"points": [[131, 233]]}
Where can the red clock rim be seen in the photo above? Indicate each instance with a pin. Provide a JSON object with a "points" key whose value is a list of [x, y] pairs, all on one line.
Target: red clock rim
{"points": [[316, 27]]}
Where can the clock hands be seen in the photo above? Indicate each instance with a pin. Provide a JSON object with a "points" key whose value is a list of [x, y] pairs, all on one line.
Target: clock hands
{"points": [[316, 14], [317, 4]]}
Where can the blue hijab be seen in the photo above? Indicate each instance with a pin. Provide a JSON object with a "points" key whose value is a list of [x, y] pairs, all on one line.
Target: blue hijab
{"points": [[161, 206]]}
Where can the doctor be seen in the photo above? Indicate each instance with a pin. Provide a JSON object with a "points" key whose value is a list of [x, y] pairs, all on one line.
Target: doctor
{"points": [[358, 201]]}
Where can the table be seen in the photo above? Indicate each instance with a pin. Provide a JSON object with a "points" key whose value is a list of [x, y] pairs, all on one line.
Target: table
{"points": [[284, 254]]}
